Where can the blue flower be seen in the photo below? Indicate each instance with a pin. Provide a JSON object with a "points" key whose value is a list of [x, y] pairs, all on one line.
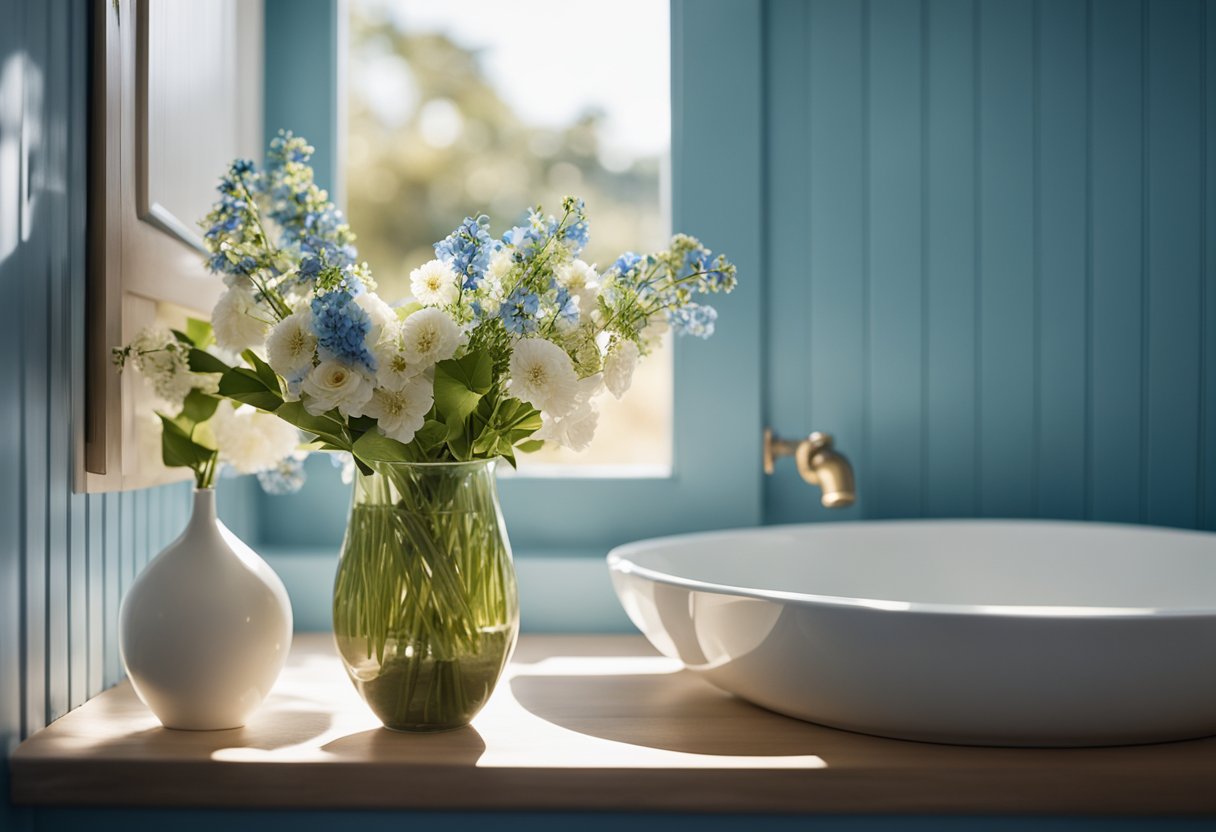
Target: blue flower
{"points": [[310, 267], [518, 311], [693, 319], [567, 306], [529, 240], [341, 325], [469, 249], [576, 232], [626, 263], [575, 236]]}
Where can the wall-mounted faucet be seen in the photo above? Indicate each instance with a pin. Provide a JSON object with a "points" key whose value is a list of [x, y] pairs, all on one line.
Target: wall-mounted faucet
{"points": [[818, 463]]}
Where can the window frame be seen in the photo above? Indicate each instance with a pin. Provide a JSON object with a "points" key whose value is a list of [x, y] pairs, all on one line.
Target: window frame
{"points": [[717, 114]]}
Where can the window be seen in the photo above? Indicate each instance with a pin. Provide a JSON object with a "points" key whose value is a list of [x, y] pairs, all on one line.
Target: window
{"points": [[456, 109], [714, 479]]}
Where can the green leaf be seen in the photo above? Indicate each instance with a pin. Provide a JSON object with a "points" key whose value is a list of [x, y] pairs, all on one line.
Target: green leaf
{"points": [[431, 436], [485, 443], [531, 446], [182, 338], [178, 450], [362, 424], [460, 384], [508, 453], [199, 332], [246, 386], [204, 362], [327, 426], [268, 376], [199, 406], [460, 444], [516, 420], [371, 448]]}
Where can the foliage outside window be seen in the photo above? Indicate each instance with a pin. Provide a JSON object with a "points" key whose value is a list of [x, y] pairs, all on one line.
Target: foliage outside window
{"points": [[454, 110]]}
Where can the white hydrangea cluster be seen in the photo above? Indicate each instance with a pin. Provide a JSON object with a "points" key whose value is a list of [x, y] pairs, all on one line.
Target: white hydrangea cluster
{"points": [[252, 441], [161, 360]]}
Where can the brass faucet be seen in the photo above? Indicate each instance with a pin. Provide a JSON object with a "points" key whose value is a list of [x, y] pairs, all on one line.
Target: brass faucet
{"points": [[818, 463]]}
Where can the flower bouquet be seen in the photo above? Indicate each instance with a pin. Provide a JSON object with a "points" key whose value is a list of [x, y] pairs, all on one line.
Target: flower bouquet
{"points": [[506, 344]]}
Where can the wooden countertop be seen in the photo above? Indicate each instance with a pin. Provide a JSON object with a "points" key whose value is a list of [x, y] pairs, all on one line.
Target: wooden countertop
{"points": [[581, 722]]}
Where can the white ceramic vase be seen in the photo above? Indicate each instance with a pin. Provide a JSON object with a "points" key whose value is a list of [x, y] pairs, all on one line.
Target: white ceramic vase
{"points": [[205, 629]]}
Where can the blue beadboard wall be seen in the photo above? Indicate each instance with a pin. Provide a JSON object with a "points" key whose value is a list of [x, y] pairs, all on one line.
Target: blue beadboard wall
{"points": [[992, 239]]}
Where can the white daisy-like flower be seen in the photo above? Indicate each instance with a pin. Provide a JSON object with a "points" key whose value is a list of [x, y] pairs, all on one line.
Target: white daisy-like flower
{"points": [[580, 280], [428, 337], [543, 375], [382, 316], [574, 431], [334, 384], [238, 322], [435, 283], [250, 440], [393, 368], [292, 344], [400, 413], [619, 365]]}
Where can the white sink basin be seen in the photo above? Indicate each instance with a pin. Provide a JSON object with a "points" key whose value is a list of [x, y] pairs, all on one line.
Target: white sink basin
{"points": [[974, 632]]}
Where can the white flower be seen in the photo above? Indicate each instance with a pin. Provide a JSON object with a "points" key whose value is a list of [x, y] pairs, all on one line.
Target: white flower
{"points": [[543, 375], [574, 431], [393, 367], [429, 336], [581, 281], [619, 364], [383, 317], [238, 322], [334, 384], [435, 283], [292, 343], [250, 440], [162, 362], [501, 263], [400, 413]]}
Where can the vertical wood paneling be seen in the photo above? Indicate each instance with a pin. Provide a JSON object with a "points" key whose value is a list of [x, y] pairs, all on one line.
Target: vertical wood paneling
{"points": [[76, 164], [788, 181], [1007, 326], [12, 475], [1061, 190], [1012, 309], [127, 541], [1207, 384], [835, 374], [34, 230], [113, 584], [1116, 188], [895, 200], [96, 585], [950, 255], [58, 338], [1175, 255]]}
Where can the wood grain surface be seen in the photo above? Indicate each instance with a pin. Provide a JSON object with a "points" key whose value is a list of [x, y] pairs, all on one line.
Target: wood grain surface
{"points": [[581, 722]]}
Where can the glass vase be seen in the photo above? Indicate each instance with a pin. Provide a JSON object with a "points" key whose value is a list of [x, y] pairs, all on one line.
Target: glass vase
{"points": [[426, 611]]}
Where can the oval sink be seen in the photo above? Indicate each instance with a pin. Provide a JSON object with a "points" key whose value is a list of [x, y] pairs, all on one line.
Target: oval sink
{"points": [[974, 632]]}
